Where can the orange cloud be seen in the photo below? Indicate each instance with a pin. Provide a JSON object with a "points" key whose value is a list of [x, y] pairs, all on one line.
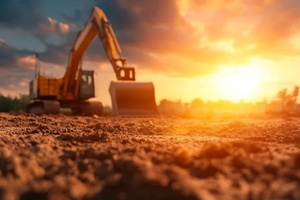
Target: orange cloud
{"points": [[53, 26], [26, 61], [219, 32], [64, 28]]}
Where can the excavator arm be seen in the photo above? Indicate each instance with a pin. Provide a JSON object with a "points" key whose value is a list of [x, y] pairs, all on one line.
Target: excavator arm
{"points": [[97, 24]]}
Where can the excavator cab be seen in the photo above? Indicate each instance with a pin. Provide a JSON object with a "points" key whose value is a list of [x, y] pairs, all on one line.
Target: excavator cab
{"points": [[87, 85]]}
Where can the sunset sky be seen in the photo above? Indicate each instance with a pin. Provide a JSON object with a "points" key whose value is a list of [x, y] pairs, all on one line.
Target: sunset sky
{"points": [[208, 49]]}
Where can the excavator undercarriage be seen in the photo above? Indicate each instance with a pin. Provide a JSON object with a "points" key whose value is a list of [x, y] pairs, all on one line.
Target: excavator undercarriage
{"points": [[44, 107]]}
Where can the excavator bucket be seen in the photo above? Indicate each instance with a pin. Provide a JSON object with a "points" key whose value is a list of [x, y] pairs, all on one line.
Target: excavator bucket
{"points": [[133, 98]]}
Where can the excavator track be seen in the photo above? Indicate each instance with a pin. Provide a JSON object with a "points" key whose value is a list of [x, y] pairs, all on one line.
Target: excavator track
{"points": [[44, 107], [88, 108]]}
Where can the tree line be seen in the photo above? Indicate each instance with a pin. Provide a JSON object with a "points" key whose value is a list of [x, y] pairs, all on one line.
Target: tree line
{"points": [[9, 103], [177, 108]]}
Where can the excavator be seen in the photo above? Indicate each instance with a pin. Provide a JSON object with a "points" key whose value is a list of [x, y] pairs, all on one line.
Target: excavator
{"points": [[75, 89]]}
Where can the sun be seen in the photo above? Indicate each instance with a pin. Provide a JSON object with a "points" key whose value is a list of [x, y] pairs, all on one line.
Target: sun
{"points": [[238, 83]]}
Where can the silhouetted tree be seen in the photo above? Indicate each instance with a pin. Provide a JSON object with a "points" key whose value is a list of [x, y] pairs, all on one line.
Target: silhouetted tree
{"points": [[296, 92], [282, 94]]}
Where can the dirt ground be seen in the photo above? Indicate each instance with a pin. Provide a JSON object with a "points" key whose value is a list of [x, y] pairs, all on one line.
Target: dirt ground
{"points": [[65, 157]]}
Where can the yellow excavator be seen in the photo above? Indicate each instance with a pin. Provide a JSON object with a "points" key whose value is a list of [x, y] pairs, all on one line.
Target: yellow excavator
{"points": [[77, 86]]}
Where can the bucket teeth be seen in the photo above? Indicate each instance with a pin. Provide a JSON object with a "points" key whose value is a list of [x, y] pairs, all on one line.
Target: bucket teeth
{"points": [[133, 99]]}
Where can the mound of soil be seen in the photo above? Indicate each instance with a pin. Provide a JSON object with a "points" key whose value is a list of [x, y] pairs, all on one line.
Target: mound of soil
{"points": [[65, 157]]}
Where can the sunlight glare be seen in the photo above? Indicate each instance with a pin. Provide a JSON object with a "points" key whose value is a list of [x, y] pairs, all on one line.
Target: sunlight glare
{"points": [[238, 83]]}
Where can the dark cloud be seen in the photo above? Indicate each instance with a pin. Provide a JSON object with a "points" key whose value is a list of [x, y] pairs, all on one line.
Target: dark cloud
{"points": [[9, 55], [15, 72], [142, 22], [76, 18], [27, 16], [20, 14], [120, 17]]}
